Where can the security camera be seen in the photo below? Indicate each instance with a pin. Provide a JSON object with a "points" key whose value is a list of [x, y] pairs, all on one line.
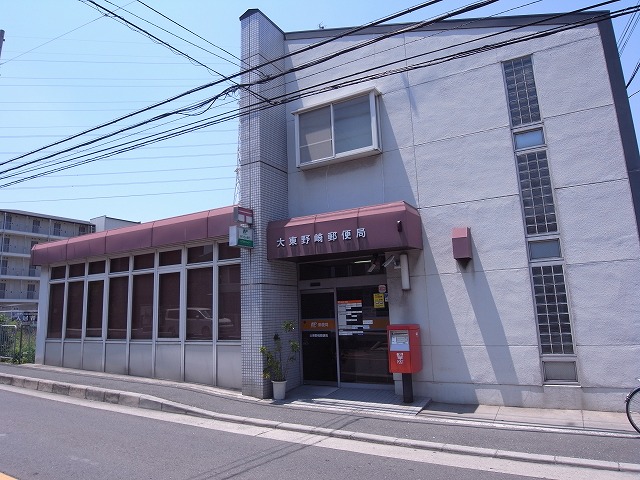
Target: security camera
{"points": [[389, 261]]}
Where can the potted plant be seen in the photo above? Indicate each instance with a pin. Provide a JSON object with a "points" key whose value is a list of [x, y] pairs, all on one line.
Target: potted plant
{"points": [[276, 362]]}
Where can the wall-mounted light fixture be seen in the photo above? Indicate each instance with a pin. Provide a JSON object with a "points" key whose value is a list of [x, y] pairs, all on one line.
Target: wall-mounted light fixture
{"points": [[461, 244], [404, 271]]}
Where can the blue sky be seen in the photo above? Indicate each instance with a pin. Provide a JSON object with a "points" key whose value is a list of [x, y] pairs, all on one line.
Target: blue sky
{"points": [[65, 68]]}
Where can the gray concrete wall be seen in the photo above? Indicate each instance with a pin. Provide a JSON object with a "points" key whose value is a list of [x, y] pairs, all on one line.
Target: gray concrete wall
{"points": [[447, 149]]}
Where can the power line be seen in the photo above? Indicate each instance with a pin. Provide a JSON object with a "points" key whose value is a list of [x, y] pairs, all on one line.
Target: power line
{"points": [[56, 38], [128, 79], [446, 58], [629, 27], [478, 50], [113, 62], [193, 33], [209, 85], [208, 190], [165, 170], [138, 29], [153, 140], [122, 184], [225, 92], [635, 70]]}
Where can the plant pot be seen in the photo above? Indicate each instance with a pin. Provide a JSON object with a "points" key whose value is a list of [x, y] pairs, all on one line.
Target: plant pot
{"points": [[279, 390]]}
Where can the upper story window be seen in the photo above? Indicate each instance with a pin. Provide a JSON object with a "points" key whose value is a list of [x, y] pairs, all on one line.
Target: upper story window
{"points": [[82, 230], [537, 193], [529, 139], [521, 91], [35, 228], [337, 131], [57, 228]]}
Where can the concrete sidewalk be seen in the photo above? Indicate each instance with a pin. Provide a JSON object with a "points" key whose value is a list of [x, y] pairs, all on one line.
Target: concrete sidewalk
{"points": [[360, 401], [330, 411]]}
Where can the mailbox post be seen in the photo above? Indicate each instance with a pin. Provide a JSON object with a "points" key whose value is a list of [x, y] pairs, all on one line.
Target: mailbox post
{"points": [[405, 355]]}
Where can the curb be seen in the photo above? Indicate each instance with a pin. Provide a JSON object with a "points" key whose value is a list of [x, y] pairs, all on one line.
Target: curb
{"points": [[154, 403]]}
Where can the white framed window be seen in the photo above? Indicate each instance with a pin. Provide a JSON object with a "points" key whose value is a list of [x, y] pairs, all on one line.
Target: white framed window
{"points": [[341, 130]]}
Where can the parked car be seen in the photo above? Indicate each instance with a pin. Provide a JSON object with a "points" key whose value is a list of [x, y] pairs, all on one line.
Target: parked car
{"points": [[199, 323]]}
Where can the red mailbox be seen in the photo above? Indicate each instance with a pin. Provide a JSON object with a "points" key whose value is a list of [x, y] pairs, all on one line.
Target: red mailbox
{"points": [[405, 351]]}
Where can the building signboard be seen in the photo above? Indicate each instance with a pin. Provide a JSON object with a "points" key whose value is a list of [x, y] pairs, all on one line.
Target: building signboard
{"points": [[240, 236]]}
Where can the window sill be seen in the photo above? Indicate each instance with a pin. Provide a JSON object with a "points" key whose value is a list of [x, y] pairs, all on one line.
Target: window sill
{"points": [[323, 162]]}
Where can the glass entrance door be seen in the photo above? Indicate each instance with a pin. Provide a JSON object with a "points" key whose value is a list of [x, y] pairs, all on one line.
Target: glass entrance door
{"points": [[344, 336], [363, 316], [318, 325]]}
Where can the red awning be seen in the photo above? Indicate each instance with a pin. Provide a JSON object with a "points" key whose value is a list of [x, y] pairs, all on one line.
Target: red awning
{"points": [[176, 230], [391, 226]]}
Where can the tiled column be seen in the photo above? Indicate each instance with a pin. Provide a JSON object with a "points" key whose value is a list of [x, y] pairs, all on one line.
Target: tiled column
{"points": [[269, 290]]}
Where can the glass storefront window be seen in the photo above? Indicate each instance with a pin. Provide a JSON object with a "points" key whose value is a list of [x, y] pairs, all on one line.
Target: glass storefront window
{"points": [[229, 302], [200, 304], [96, 267], [171, 257], [75, 298], [94, 308], [169, 305], [225, 252], [58, 272], [120, 264], [56, 307], [76, 270], [200, 254], [142, 307], [144, 261], [118, 303]]}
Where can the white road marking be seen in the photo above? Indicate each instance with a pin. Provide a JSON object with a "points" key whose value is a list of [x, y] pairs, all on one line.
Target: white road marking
{"points": [[473, 462]]}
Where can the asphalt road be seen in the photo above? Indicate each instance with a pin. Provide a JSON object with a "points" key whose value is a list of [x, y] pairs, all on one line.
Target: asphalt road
{"points": [[45, 437], [614, 448]]}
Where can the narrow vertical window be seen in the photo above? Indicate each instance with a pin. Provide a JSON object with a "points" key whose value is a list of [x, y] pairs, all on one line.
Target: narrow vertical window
{"points": [[229, 302], [168, 302], [142, 307], [94, 308], [118, 307], [200, 304], [552, 310], [537, 195], [56, 309], [521, 91], [541, 223], [75, 298]]}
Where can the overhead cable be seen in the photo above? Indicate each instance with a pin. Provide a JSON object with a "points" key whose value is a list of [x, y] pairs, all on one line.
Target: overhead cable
{"points": [[348, 81], [431, 62]]}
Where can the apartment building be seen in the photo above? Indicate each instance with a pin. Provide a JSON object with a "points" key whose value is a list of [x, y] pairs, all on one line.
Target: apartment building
{"points": [[19, 278]]}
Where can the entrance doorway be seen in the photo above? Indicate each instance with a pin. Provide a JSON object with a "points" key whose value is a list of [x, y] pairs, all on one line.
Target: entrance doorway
{"points": [[344, 337]]}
